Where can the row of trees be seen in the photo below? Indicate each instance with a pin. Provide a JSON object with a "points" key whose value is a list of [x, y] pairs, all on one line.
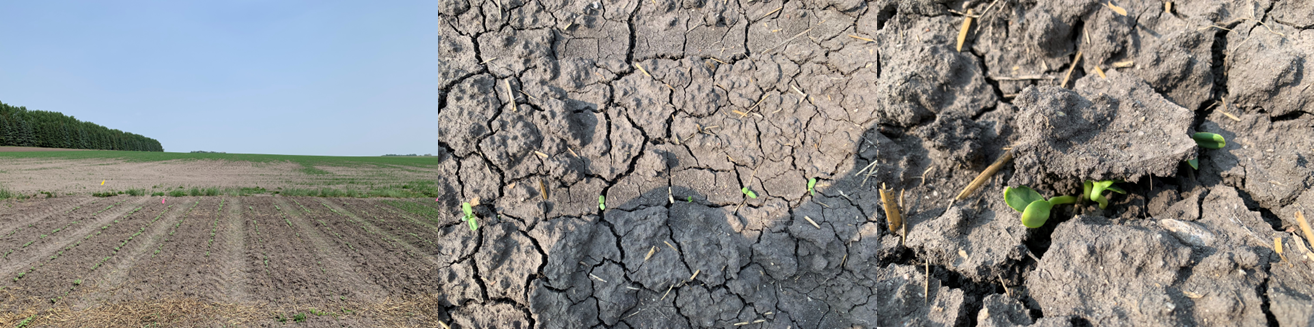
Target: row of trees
{"points": [[22, 127]]}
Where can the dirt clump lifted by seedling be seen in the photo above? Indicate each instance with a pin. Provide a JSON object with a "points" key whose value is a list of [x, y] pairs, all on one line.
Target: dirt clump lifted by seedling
{"points": [[1115, 128]]}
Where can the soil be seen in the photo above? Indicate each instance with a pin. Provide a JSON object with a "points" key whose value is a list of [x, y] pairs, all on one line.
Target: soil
{"points": [[240, 261], [668, 109], [29, 176]]}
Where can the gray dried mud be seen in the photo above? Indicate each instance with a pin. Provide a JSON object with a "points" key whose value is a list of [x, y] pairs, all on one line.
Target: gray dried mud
{"points": [[668, 108]]}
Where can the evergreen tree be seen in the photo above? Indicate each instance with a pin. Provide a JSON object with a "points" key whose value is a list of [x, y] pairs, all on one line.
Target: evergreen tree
{"points": [[4, 130]]}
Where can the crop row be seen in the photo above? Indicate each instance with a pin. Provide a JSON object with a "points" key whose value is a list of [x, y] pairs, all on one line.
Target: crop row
{"points": [[129, 239], [20, 228], [160, 247], [53, 232], [75, 245], [215, 227], [255, 224], [390, 240], [328, 228]]}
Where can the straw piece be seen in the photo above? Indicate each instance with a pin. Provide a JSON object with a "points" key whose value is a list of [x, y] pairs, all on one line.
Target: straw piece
{"points": [[814, 224], [1116, 9], [1304, 225], [985, 175], [962, 32], [1068, 76], [891, 209]]}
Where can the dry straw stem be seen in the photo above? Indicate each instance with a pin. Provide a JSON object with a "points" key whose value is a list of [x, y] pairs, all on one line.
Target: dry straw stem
{"points": [[1068, 76], [1304, 225], [861, 38], [645, 72], [1116, 9], [510, 96], [1277, 246], [962, 32], [1122, 64], [1168, 7], [985, 175], [542, 189], [1100, 72], [814, 224], [891, 209], [651, 251]]}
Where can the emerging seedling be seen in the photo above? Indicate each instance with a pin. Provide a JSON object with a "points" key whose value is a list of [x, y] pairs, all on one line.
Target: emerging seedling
{"points": [[469, 216], [748, 192], [602, 202], [1094, 190], [812, 182], [1206, 140], [1034, 208]]}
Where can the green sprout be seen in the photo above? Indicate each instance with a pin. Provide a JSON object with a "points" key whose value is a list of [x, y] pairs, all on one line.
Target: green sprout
{"points": [[1206, 140], [1094, 190], [748, 192], [812, 182], [1209, 140], [690, 200], [469, 216], [602, 202], [1035, 209]]}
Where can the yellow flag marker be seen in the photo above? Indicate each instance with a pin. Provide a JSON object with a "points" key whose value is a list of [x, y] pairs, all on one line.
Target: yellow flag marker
{"points": [[102, 182]]}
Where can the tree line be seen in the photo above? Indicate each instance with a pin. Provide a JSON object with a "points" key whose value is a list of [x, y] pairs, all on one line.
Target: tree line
{"points": [[22, 127]]}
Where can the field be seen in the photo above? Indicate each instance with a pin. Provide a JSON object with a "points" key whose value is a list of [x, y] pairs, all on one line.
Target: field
{"points": [[230, 261], [44, 173]]}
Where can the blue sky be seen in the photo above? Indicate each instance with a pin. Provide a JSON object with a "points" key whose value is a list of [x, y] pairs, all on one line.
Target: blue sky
{"points": [[278, 77]]}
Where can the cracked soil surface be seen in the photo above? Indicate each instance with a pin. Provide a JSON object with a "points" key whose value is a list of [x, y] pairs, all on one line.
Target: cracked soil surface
{"points": [[669, 108]]}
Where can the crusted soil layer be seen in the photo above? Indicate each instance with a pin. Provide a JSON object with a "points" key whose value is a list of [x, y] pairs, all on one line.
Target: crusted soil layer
{"points": [[669, 108]]}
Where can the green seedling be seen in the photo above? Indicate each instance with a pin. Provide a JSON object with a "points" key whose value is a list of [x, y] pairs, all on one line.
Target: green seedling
{"points": [[812, 182], [602, 202], [1034, 208], [690, 200], [1206, 140], [469, 216], [1094, 190], [300, 317], [23, 324], [748, 192], [1209, 140]]}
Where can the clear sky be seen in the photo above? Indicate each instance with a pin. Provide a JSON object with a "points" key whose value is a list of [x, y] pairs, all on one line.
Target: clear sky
{"points": [[313, 77]]}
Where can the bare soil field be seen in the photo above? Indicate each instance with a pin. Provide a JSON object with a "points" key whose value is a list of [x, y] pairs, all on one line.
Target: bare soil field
{"points": [[231, 261], [30, 176], [675, 110]]}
